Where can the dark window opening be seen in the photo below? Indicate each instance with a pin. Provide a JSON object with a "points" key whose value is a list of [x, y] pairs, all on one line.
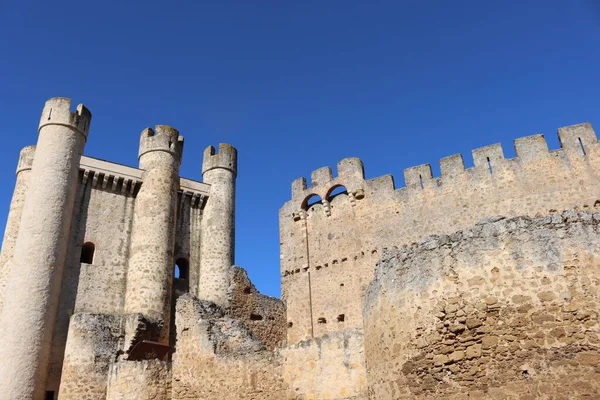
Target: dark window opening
{"points": [[290, 324], [341, 285], [50, 395], [489, 163], [310, 201], [247, 290], [87, 253], [341, 318], [256, 317], [182, 269], [421, 181], [336, 191], [322, 320]]}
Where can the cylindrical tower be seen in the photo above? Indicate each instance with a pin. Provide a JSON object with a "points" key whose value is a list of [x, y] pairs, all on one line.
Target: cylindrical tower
{"points": [[218, 224], [151, 263], [34, 279], [14, 214]]}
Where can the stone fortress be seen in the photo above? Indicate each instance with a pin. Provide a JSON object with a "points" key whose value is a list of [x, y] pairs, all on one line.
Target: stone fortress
{"points": [[119, 282]]}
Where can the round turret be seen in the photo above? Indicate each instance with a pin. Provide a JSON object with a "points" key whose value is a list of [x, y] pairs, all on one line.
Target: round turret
{"points": [[162, 138], [218, 223], [36, 266], [151, 262], [57, 111], [226, 159], [26, 158]]}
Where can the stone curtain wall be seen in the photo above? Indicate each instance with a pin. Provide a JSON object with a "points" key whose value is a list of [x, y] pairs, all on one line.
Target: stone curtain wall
{"points": [[330, 367], [103, 217], [507, 309], [339, 240], [140, 380]]}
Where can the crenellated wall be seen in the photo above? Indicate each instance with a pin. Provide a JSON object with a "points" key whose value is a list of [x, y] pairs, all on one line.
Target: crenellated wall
{"points": [[328, 249]]}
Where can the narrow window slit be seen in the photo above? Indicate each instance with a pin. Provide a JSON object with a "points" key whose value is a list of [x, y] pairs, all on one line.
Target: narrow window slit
{"points": [[581, 145], [87, 253], [489, 165], [49, 114], [421, 181]]}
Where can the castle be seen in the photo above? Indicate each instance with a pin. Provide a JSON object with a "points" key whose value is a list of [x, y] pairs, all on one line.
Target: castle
{"points": [[119, 282]]}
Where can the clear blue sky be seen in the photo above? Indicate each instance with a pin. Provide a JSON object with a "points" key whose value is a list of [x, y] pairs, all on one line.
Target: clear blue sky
{"points": [[296, 85]]}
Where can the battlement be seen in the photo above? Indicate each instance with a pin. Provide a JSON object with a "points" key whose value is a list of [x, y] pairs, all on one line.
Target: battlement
{"points": [[57, 111], [26, 158], [351, 175], [576, 142], [161, 138], [226, 158]]}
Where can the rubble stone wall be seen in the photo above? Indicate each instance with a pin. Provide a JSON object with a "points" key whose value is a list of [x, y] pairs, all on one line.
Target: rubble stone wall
{"points": [[506, 309]]}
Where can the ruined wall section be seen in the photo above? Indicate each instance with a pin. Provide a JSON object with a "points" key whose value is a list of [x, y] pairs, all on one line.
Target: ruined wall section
{"points": [[217, 357], [92, 347], [338, 240], [263, 315], [506, 309]]}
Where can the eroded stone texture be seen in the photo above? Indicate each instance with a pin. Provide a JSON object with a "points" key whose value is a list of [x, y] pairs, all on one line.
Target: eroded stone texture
{"points": [[263, 315], [507, 309], [92, 347], [140, 380], [328, 367], [212, 347]]}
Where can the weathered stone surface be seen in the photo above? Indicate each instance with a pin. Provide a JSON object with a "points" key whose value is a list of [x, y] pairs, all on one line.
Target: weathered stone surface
{"points": [[504, 350]]}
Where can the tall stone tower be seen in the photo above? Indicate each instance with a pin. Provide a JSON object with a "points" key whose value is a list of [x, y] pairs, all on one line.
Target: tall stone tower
{"points": [[151, 261], [217, 248], [14, 214], [35, 271]]}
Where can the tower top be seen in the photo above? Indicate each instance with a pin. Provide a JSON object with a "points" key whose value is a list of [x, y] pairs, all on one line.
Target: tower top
{"points": [[26, 158], [161, 138], [57, 111], [226, 158]]}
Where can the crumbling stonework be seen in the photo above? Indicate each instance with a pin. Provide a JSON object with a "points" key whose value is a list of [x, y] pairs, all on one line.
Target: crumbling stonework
{"points": [[263, 315], [212, 347], [506, 309]]}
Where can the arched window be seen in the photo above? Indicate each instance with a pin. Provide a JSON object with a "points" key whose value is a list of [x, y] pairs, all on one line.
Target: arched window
{"points": [[182, 269], [310, 201], [87, 253], [335, 191]]}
